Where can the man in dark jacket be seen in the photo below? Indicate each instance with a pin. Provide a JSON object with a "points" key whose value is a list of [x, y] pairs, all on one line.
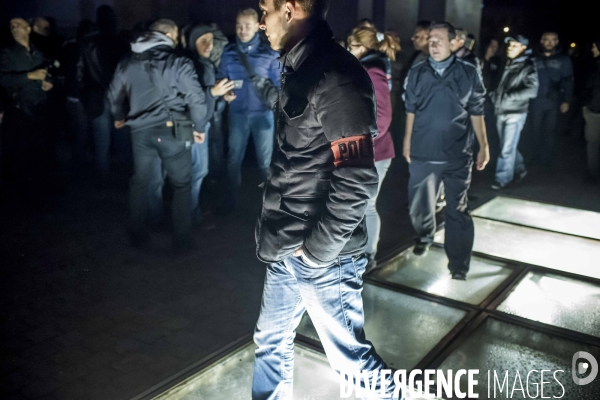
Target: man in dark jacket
{"points": [[444, 105], [591, 114], [200, 45], [100, 53], [555, 73], [248, 114], [312, 229], [147, 90], [25, 130], [518, 85], [464, 47]]}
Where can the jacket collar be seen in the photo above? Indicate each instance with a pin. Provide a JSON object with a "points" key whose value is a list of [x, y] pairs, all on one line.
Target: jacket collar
{"points": [[294, 58], [526, 54], [250, 46]]}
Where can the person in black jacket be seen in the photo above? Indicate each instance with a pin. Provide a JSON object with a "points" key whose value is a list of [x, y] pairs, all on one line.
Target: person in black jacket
{"points": [[591, 113], [99, 55], [311, 229], [444, 105], [149, 90], [23, 79], [518, 85], [200, 45], [555, 93]]}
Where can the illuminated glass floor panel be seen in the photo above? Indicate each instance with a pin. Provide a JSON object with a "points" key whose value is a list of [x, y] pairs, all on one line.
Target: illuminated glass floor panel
{"points": [[547, 249], [402, 328], [499, 346], [543, 216], [430, 273], [557, 301], [231, 378]]}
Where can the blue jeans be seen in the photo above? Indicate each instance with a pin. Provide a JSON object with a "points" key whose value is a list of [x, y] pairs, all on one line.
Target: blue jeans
{"points": [[103, 132], [371, 214], [199, 170], [332, 297], [510, 160], [240, 128]]}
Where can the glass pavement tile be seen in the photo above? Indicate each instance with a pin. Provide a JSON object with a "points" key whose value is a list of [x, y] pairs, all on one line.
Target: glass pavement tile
{"points": [[543, 216], [556, 300], [430, 273], [498, 347], [402, 328], [547, 249], [231, 378]]}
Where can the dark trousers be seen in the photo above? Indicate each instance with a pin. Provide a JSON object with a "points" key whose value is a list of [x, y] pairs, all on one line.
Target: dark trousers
{"points": [[216, 146], [423, 190], [28, 154], [544, 135], [158, 144]]}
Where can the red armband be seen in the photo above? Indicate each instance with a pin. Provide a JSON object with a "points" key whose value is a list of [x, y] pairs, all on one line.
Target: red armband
{"points": [[353, 151]]}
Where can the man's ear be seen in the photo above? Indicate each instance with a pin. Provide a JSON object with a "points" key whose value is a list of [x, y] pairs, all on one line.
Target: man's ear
{"points": [[290, 10]]}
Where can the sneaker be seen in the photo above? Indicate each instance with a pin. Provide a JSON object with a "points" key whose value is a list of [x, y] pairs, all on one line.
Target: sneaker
{"points": [[421, 248], [459, 275], [497, 186], [521, 176]]}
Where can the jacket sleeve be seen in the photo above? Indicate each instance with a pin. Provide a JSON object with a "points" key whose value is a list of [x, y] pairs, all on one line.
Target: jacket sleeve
{"points": [[567, 82], [476, 101], [188, 84], [117, 94], [275, 73], [528, 87], [9, 79], [345, 106], [410, 92]]}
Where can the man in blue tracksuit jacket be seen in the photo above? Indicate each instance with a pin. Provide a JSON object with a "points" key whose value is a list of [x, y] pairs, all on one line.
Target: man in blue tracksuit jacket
{"points": [[248, 114], [444, 106], [555, 72]]}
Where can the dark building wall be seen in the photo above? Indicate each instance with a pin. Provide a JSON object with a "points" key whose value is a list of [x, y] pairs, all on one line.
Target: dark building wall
{"points": [[68, 13]]}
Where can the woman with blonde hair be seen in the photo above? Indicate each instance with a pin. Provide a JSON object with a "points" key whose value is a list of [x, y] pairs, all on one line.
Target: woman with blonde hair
{"points": [[375, 50]]}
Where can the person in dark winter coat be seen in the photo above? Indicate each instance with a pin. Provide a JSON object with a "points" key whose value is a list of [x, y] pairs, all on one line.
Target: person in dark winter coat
{"points": [[249, 113], [99, 55], [311, 229], [445, 106], [591, 113], [24, 81], [151, 91], [518, 85], [200, 44], [364, 44], [555, 74]]}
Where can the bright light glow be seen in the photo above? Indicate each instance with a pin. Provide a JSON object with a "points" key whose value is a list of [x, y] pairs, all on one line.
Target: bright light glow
{"points": [[506, 29], [573, 45]]}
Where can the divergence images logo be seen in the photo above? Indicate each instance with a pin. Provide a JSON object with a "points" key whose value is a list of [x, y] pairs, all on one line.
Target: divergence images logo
{"points": [[581, 367]]}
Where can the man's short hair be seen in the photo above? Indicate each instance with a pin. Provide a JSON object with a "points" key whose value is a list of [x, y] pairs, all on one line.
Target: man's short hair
{"points": [[163, 25], [248, 12], [444, 25], [461, 34], [423, 26], [550, 33], [314, 8]]}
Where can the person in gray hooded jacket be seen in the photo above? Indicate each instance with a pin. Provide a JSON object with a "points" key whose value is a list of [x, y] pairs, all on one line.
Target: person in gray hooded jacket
{"points": [[146, 90]]}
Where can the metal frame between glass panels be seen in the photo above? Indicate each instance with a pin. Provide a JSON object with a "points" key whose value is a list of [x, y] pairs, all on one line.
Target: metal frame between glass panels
{"points": [[476, 315]]}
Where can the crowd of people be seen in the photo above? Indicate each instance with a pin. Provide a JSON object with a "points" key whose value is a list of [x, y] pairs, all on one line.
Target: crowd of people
{"points": [[125, 96], [179, 104]]}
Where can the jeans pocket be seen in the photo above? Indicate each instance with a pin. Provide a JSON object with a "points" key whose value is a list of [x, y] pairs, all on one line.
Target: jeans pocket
{"points": [[359, 263]]}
